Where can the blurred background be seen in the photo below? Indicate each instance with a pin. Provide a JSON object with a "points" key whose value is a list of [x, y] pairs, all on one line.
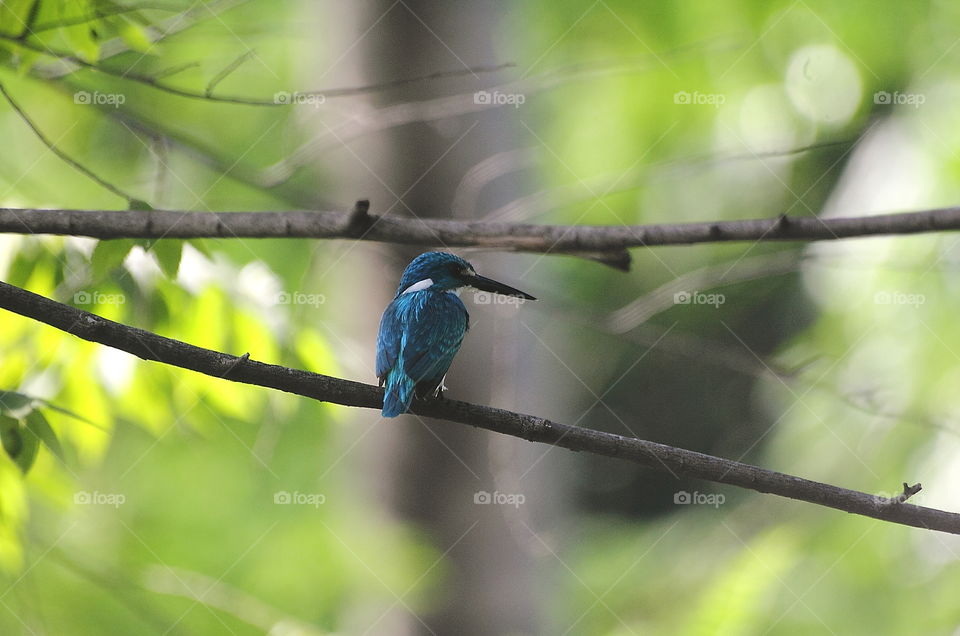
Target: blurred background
{"points": [[189, 505]]}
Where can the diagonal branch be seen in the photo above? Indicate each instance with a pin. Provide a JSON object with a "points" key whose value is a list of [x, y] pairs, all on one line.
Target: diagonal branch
{"points": [[150, 346], [55, 149], [606, 243]]}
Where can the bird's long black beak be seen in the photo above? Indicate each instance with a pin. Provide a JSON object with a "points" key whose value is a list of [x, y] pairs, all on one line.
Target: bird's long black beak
{"points": [[489, 285]]}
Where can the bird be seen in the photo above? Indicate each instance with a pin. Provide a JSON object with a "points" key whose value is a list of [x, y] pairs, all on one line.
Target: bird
{"points": [[423, 326]]}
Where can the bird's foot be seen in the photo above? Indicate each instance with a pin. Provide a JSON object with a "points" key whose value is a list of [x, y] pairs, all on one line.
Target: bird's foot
{"points": [[441, 388]]}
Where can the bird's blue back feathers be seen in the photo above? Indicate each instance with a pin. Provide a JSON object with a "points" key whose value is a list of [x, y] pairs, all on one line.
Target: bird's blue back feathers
{"points": [[420, 333]]}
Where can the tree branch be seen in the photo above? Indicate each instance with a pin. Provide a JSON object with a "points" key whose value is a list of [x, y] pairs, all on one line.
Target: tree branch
{"points": [[154, 81], [100, 13], [156, 32], [677, 461], [606, 243]]}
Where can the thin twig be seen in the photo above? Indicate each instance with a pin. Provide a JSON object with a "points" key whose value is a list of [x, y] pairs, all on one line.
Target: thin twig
{"points": [[215, 593], [706, 278], [547, 199], [349, 91], [677, 461], [440, 108], [156, 32], [63, 156], [153, 80], [227, 70], [99, 13]]}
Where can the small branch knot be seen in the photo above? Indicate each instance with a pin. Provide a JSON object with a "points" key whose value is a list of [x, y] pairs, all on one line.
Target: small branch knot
{"points": [[360, 208], [236, 362], [908, 491], [359, 219]]}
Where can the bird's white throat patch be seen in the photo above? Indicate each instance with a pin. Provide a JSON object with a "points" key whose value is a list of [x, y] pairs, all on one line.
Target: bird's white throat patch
{"points": [[418, 286]]}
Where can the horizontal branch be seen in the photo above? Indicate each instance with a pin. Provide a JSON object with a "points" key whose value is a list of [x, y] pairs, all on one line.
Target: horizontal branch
{"points": [[606, 243], [677, 461]]}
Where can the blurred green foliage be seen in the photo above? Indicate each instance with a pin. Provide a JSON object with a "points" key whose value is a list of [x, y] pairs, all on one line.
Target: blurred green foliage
{"points": [[166, 503], [155, 508], [873, 402]]}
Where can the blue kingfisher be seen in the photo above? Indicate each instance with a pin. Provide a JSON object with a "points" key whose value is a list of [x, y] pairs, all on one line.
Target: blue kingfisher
{"points": [[422, 328]]}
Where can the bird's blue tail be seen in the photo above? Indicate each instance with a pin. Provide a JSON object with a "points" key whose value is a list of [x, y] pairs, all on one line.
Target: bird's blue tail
{"points": [[398, 393]]}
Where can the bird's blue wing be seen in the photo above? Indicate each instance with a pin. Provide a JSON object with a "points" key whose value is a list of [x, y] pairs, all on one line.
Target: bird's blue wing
{"points": [[435, 331], [388, 340], [420, 333]]}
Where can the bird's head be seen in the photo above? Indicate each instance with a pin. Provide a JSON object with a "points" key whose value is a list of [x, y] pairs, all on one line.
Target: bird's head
{"points": [[441, 271]]}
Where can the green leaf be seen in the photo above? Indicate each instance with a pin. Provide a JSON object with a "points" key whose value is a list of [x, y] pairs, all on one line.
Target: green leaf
{"points": [[10, 436], [13, 15], [19, 443], [139, 204], [15, 404], [28, 454], [60, 409], [202, 246], [38, 425], [83, 43], [109, 255], [135, 36], [168, 253]]}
